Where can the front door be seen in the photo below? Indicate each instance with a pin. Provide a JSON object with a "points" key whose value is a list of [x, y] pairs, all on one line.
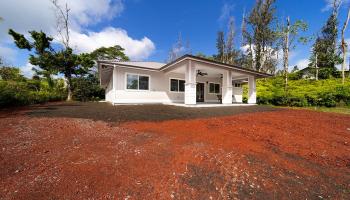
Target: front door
{"points": [[200, 92]]}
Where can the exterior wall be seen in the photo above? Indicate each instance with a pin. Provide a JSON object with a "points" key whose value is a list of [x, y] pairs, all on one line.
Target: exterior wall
{"points": [[159, 88], [237, 94], [109, 91], [209, 97]]}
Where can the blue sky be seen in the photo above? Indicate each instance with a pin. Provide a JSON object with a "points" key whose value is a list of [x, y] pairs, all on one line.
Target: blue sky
{"points": [[148, 29]]}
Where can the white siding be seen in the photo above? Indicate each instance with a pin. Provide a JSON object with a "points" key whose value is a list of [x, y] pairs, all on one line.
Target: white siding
{"points": [[159, 88], [237, 94], [109, 91]]}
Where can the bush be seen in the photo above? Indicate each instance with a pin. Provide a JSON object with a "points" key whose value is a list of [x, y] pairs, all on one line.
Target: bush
{"points": [[87, 89], [16, 93], [327, 92]]}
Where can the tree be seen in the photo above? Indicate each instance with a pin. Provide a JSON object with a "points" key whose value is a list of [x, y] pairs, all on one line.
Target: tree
{"points": [[10, 74], [325, 46], [47, 59], [288, 35], [202, 55], [226, 47], [295, 69], [62, 22], [178, 49], [220, 45], [246, 59], [230, 53], [87, 88], [261, 35], [344, 45], [109, 53]]}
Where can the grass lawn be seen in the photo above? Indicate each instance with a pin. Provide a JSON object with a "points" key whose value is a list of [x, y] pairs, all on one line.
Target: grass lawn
{"points": [[99, 151], [340, 110]]}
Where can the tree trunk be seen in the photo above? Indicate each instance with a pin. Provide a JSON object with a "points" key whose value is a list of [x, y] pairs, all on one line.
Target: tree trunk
{"points": [[344, 47], [316, 67], [69, 88], [286, 54]]}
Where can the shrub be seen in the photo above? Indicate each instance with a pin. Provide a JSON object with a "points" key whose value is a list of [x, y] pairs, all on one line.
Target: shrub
{"points": [[87, 89], [327, 92], [16, 93]]}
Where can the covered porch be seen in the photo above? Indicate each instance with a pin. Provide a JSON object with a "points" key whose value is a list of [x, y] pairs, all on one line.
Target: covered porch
{"points": [[210, 84]]}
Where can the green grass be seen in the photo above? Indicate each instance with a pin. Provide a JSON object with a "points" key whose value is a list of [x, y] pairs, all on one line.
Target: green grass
{"points": [[340, 110]]}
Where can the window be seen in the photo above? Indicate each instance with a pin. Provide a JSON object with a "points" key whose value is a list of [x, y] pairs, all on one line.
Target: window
{"points": [[177, 85], [137, 82], [214, 88], [143, 83], [181, 86], [237, 84]]}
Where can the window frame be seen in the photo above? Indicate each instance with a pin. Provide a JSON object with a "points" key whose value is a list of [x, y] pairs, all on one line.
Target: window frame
{"points": [[214, 88], [178, 85], [138, 82], [235, 85]]}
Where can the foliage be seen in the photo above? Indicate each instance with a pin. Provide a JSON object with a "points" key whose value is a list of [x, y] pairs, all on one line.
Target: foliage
{"points": [[18, 93], [109, 53], [10, 73], [227, 52], [302, 92], [325, 54], [50, 61], [87, 88], [220, 45], [260, 35], [179, 49], [202, 55]]}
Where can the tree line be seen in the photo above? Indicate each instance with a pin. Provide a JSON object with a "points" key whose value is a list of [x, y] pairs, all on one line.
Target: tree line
{"points": [[266, 42], [79, 70]]}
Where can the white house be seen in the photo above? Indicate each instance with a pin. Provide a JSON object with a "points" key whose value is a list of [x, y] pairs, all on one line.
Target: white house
{"points": [[187, 80]]}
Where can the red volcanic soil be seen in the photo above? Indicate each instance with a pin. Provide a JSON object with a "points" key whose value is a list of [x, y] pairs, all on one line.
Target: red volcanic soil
{"points": [[283, 154]]}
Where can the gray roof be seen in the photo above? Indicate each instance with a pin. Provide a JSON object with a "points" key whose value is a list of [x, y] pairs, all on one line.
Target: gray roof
{"points": [[149, 65]]}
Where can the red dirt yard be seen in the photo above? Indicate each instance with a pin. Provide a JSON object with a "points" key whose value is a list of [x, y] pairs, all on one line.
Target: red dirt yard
{"points": [[270, 154]]}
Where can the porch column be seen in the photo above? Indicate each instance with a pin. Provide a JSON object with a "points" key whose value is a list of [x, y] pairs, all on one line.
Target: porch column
{"points": [[114, 83], [227, 87], [190, 84], [252, 90]]}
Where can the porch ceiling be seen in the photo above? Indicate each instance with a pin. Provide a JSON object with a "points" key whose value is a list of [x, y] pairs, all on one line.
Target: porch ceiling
{"points": [[213, 64], [105, 73], [212, 71]]}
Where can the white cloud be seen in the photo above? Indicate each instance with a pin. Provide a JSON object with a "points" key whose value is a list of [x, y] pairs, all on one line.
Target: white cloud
{"points": [[39, 14], [87, 12], [27, 70], [347, 41], [134, 48], [303, 63], [329, 4], [226, 11], [7, 54]]}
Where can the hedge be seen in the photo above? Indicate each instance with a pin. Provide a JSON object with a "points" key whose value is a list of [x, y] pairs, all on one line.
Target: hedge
{"points": [[300, 93], [16, 93]]}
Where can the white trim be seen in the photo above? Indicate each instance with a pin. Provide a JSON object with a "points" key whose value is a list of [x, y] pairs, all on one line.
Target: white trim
{"points": [[131, 67], [204, 83], [214, 88], [178, 85], [211, 63], [138, 82]]}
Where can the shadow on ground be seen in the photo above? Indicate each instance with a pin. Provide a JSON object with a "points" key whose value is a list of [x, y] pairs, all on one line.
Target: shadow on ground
{"points": [[123, 113]]}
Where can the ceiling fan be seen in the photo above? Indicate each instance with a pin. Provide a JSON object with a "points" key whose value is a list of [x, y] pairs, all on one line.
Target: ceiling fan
{"points": [[201, 73]]}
